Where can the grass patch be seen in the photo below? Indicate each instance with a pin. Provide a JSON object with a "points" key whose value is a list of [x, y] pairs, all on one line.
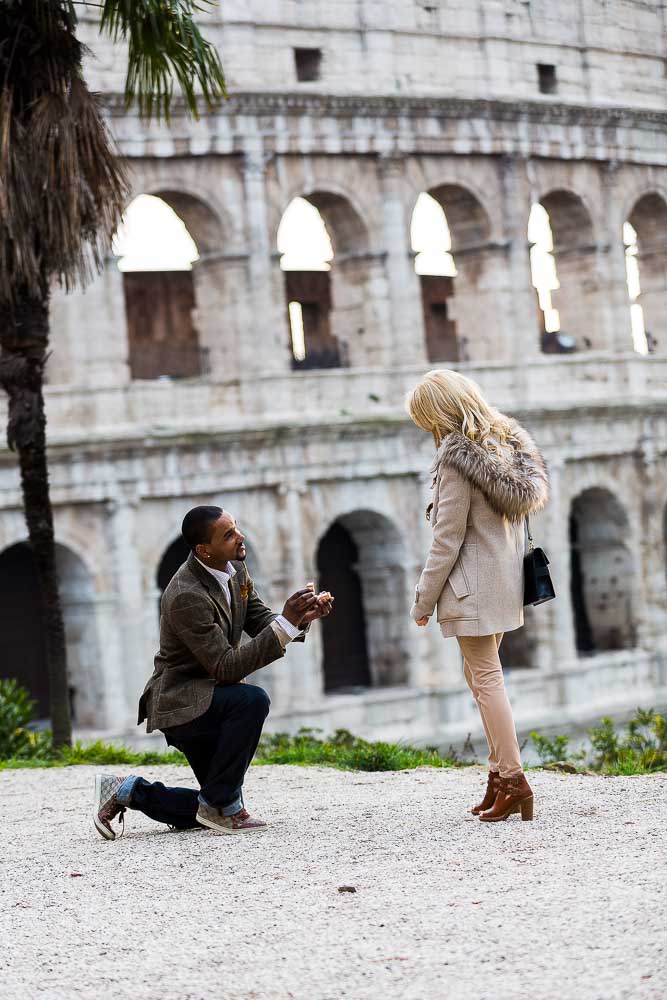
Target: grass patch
{"points": [[94, 753], [347, 752]]}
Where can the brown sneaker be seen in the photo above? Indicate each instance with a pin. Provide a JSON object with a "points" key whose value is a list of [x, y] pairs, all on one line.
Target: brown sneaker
{"points": [[240, 822], [107, 807]]}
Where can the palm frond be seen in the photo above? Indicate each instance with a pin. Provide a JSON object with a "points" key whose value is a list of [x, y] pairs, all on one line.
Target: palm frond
{"points": [[62, 185], [165, 45]]}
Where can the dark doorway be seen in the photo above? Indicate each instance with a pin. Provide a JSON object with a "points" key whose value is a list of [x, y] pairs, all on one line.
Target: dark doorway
{"points": [[583, 633], [22, 641], [519, 647], [173, 559], [346, 664]]}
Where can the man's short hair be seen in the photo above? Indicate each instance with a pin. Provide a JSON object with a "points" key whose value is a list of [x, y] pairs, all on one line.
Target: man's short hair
{"points": [[197, 527]]}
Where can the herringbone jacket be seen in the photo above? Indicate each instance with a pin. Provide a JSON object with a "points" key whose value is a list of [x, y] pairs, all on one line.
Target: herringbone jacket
{"points": [[200, 643]]}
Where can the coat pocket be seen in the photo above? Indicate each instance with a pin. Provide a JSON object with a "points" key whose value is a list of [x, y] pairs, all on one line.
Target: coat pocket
{"points": [[458, 581]]}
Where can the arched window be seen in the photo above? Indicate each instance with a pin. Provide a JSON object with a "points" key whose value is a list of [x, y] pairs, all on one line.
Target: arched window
{"points": [[360, 560], [564, 264], [157, 255], [330, 284], [645, 238], [450, 233], [306, 258], [432, 243]]}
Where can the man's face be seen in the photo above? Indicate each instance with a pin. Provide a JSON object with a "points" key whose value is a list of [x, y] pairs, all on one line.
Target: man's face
{"points": [[226, 544]]}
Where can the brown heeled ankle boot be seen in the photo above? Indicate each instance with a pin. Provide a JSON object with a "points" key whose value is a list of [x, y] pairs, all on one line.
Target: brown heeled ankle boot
{"points": [[514, 795], [492, 786]]}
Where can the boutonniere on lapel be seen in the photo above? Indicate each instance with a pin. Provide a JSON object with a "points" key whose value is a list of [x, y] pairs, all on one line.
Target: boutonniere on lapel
{"points": [[245, 590]]}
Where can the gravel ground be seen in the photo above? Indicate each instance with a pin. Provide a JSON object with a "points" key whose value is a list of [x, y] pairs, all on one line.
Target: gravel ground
{"points": [[572, 905]]}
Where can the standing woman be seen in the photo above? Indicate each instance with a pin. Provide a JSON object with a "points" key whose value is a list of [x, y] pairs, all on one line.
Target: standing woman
{"points": [[488, 475]]}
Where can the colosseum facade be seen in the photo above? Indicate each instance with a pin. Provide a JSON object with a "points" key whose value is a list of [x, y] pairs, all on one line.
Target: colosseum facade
{"points": [[166, 390]]}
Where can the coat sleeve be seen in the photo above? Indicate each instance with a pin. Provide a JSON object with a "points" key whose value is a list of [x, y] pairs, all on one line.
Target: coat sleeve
{"points": [[193, 621], [449, 530]]}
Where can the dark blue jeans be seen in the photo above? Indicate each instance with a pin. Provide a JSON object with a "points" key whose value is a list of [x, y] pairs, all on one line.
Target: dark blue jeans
{"points": [[219, 746]]}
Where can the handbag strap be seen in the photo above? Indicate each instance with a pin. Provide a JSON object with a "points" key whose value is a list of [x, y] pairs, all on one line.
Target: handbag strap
{"points": [[530, 537]]}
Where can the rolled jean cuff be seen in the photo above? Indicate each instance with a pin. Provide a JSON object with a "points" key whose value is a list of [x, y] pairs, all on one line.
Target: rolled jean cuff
{"points": [[124, 793], [228, 810]]}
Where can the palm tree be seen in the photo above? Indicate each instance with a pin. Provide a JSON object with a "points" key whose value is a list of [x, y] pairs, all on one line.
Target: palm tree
{"points": [[62, 193]]}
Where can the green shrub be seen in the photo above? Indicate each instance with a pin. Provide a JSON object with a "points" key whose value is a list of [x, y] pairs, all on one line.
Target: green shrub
{"points": [[17, 710], [550, 751], [641, 748]]}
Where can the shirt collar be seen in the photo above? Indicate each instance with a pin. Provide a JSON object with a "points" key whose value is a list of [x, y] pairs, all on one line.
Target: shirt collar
{"points": [[222, 576]]}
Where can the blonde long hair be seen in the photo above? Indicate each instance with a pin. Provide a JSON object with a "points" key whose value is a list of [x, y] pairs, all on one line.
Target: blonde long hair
{"points": [[446, 401]]}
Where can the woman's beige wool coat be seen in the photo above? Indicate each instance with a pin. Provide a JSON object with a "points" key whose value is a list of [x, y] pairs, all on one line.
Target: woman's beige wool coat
{"points": [[474, 571]]}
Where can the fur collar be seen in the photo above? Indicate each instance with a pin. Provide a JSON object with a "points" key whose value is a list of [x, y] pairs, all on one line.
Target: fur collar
{"points": [[514, 486]]}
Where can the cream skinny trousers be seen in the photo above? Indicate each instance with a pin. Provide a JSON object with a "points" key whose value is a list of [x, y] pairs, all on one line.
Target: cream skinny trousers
{"points": [[484, 674]]}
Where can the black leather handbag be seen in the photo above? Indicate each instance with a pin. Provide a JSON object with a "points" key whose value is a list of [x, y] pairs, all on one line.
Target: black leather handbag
{"points": [[537, 585]]}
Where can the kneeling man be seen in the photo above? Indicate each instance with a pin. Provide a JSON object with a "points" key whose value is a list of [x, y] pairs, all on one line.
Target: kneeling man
{"points": [[194, 695]]}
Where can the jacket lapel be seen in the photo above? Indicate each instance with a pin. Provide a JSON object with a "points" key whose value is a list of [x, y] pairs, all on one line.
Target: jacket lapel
{"points": [[237, 606], [213, 587]]}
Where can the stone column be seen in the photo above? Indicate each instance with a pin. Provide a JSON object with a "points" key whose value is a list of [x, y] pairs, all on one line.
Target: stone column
{"points": [[408, 343], [220, 316], [652, 600], [614, 303], [135, 666], [263, 346], [303, 684], [557, 547], [521, 315]]}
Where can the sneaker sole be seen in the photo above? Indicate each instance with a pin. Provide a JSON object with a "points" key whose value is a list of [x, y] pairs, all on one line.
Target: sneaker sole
{"points": [[222, 829], [100, 827]]}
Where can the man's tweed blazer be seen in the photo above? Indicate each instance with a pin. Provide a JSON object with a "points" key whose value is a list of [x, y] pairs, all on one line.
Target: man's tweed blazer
{"points": [[200, 637]]}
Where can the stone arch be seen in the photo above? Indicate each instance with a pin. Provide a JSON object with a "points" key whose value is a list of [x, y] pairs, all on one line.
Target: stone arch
{"points": [[577, 297], [342, 306], [361, 559], [173, 316], [201, 221], [601, 573], [22, 636], [461, 308], [648, 219]]}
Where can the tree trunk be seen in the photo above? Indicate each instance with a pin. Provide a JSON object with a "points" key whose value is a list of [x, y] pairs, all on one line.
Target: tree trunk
{"points": [[23, 351]]}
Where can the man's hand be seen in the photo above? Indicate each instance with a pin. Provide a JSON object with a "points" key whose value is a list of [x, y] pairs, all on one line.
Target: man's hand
{"points": [[422, 621], [324, 607], [298, 605]]}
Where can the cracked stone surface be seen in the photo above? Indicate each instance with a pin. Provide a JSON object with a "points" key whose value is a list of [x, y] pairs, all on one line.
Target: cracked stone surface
{"points": [[572, 905]]}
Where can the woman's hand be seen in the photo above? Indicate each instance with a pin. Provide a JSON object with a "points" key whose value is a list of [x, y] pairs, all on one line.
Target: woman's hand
{"points": [[422, 621]]}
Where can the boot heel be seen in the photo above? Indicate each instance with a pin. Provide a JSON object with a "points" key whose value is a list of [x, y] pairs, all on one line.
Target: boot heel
{"points": [[527, 809]]}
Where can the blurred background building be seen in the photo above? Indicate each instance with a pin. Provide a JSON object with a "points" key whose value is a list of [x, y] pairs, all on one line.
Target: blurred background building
{"points": [[391, 187]]}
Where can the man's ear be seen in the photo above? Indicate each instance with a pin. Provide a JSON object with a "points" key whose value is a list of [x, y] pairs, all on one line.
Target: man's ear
{"points": [[200, 552]]}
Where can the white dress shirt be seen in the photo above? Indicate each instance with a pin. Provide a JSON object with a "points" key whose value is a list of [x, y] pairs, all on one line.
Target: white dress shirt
{"points": [[283, 629]]}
